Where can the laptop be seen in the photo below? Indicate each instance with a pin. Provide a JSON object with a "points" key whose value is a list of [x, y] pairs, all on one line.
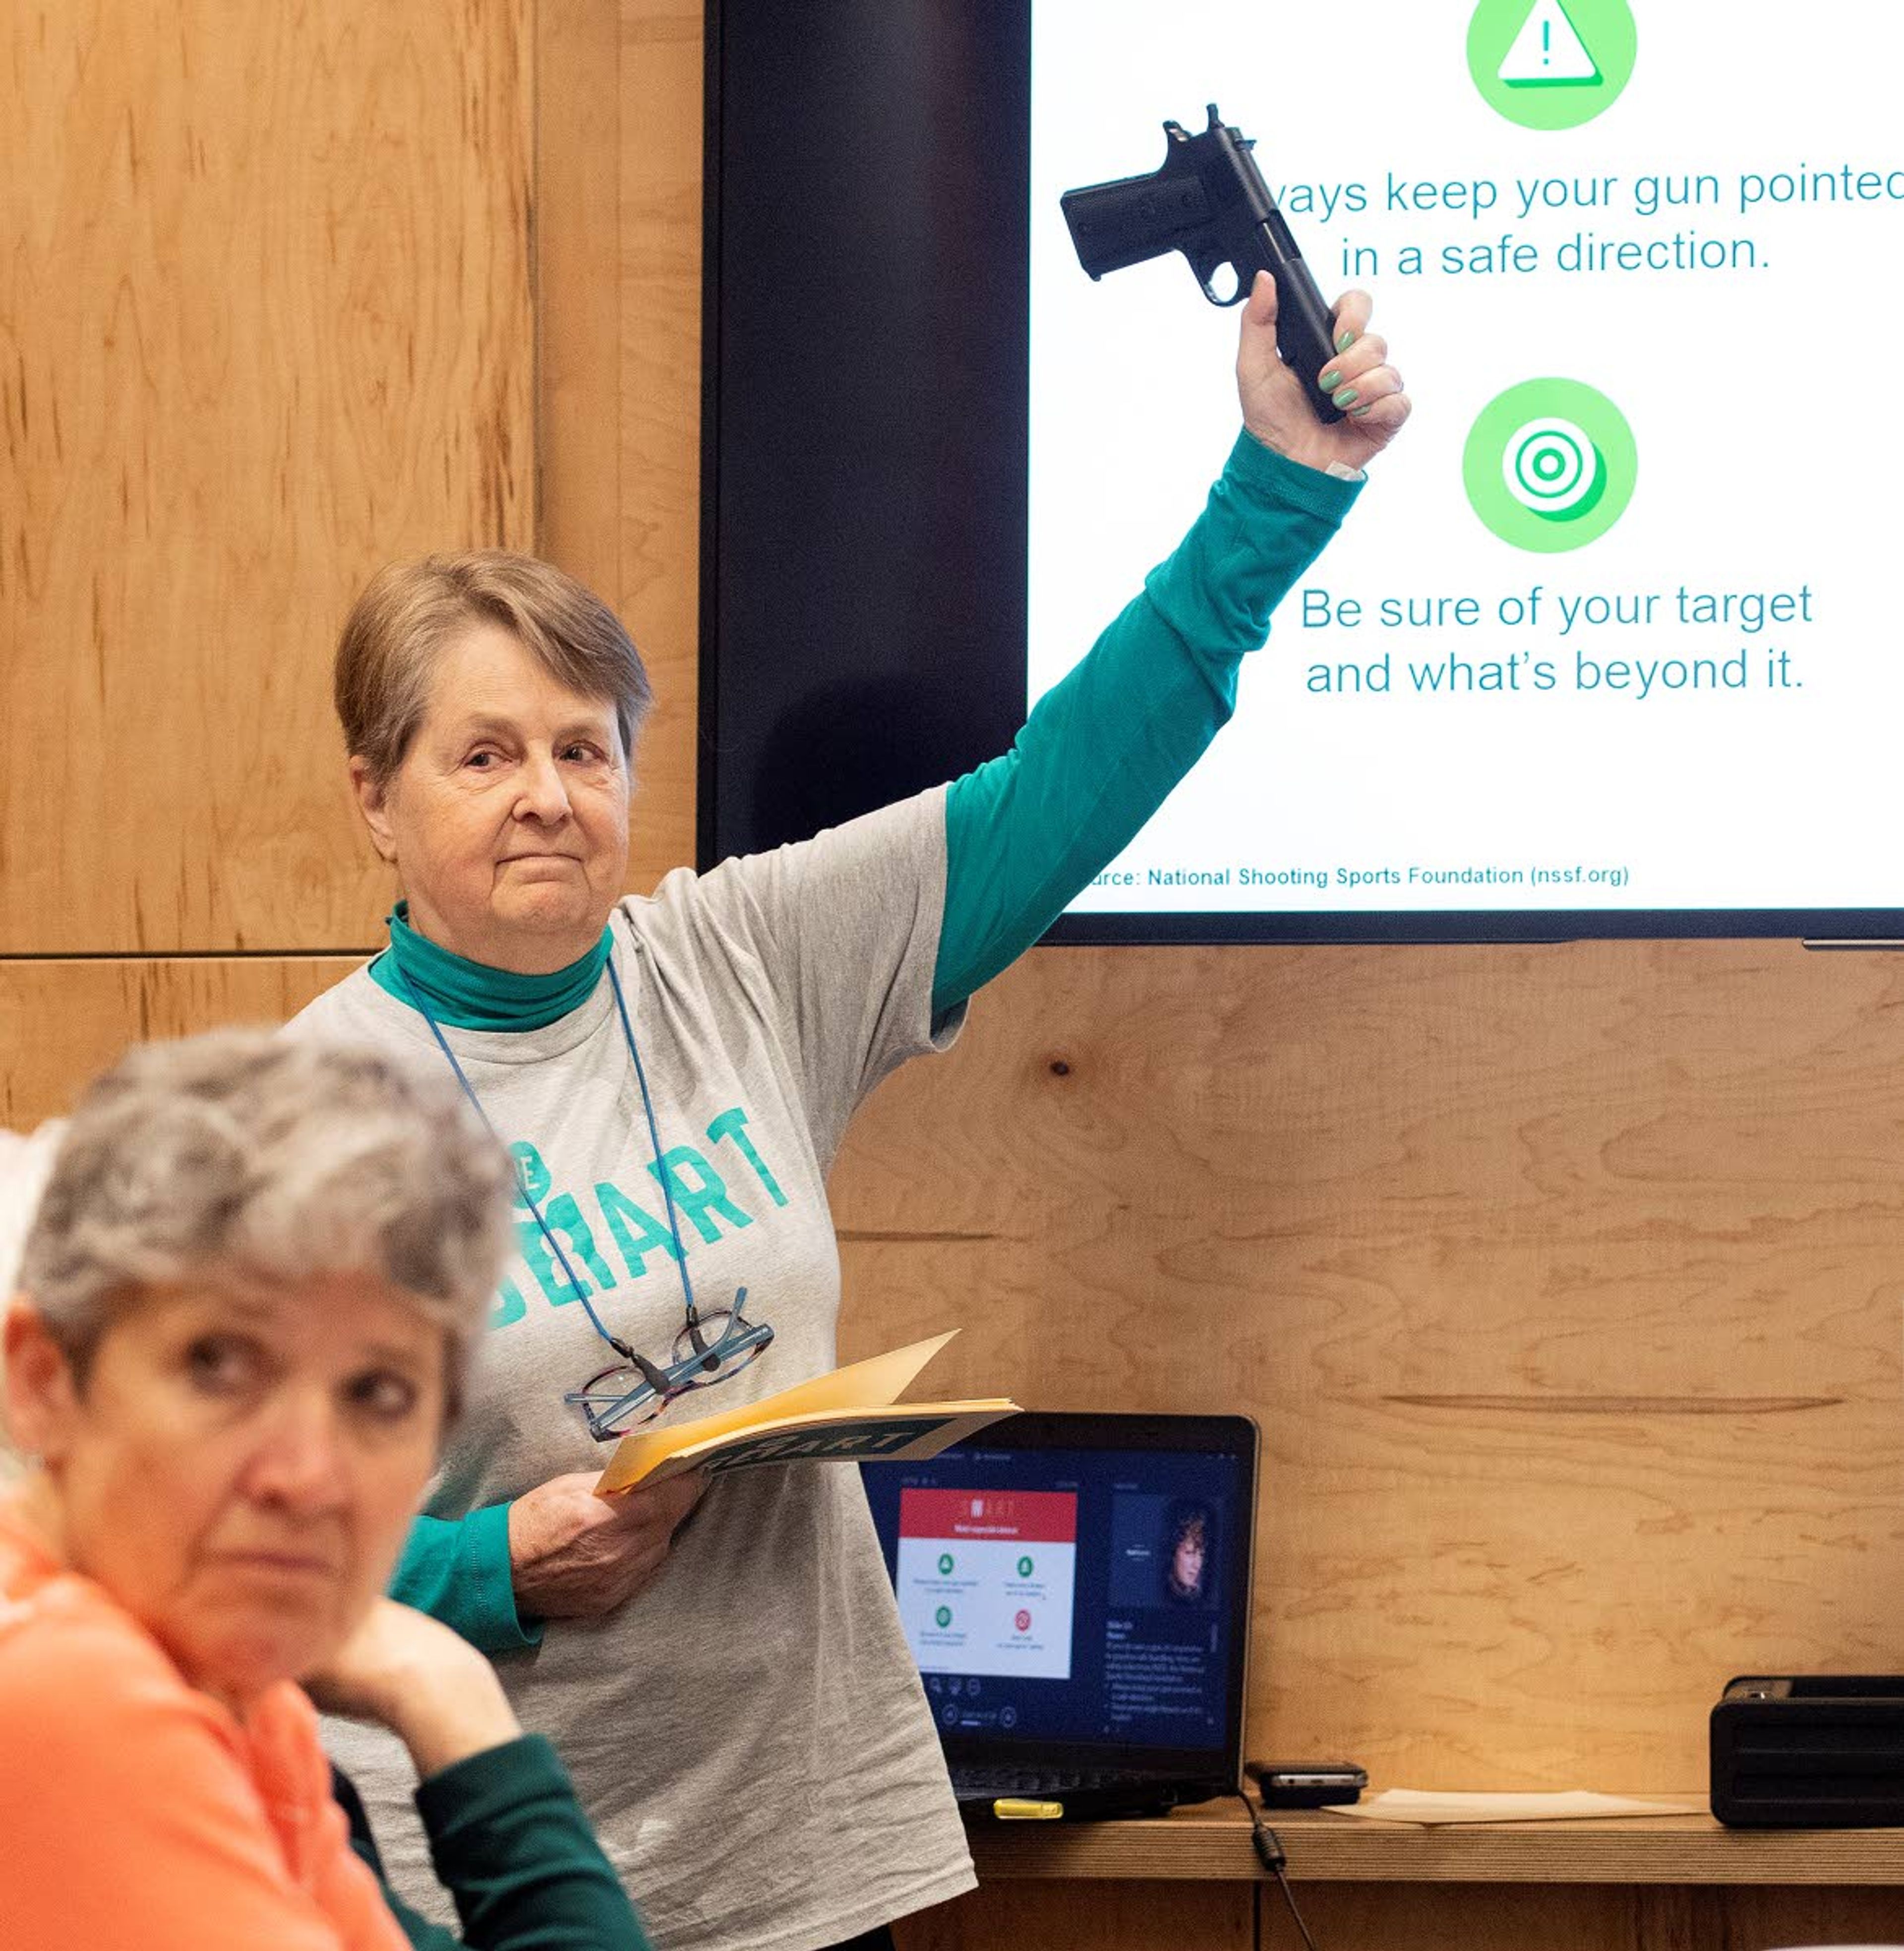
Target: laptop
{"points": [[1075, 1592]]}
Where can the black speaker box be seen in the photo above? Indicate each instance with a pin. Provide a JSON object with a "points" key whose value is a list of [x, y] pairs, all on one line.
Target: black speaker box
{"points": [[1822, 1752]]}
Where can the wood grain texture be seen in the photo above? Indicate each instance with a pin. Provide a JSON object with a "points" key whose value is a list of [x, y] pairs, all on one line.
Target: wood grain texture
{"points": [[1402, 1917], [618, 254], [1134, 1917], [659, 264], [267, 325], [577, 289], [1564, 1283], [1451, 1917], [62, 1023]]}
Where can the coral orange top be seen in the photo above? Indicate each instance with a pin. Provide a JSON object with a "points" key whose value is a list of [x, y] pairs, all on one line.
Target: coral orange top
{"points": [[137, 1812]]}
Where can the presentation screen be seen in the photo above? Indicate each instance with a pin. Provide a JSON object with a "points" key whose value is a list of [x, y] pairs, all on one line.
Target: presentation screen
{"points": [[1607, 645], [1612, 629]]}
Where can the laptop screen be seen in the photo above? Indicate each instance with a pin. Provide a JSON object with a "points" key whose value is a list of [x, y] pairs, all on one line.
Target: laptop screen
{"points": [[1080, 1582]]}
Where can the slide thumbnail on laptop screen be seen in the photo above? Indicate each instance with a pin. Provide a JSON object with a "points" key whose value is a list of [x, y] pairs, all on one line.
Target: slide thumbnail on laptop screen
{"points": [[1086, 1595]]}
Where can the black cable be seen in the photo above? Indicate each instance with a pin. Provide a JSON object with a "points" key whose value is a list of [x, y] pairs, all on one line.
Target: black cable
{"points": [[1268, 1846]]}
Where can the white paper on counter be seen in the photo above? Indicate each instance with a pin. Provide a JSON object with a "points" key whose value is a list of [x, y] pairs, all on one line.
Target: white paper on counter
{"points": [[1428, 1805]]}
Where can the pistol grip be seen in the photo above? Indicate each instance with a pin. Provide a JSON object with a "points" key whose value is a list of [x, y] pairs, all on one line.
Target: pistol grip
{"points": [[1305, 333], [1114, 225], [1305, 326]]}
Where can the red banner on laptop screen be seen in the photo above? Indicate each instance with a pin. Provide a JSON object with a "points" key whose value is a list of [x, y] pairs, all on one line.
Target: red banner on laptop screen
{"points": [[1016, 1517]]}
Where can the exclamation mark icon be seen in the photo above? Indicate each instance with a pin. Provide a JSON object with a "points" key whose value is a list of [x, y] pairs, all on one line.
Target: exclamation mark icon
{"points": [[1548, 51]]}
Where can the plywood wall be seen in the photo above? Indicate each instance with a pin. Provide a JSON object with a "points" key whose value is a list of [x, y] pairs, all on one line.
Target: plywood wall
{"points": [[1563, 1282], [63, 1020], [619, 417], [267, 325]]}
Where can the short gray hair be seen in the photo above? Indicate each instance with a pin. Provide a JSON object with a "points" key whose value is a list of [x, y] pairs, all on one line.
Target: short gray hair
{"points": [[398, 629], [277, 1159]]}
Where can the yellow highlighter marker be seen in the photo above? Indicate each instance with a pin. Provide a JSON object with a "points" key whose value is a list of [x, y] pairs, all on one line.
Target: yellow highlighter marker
{"points": [[1009, 1809]]}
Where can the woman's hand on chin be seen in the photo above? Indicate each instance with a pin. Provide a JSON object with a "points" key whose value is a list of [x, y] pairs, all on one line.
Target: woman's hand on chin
{"points": [[576, 1556], [428, 1685]]}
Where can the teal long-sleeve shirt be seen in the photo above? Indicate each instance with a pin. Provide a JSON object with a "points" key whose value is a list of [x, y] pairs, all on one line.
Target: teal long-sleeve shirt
{"points": [[1026, 831]]}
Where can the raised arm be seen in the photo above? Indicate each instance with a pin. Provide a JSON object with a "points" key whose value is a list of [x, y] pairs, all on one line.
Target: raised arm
{"points": [[1102, 751]]}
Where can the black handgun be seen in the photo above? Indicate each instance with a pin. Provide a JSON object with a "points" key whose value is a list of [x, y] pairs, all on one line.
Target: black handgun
{"points": [[1210, 202]]}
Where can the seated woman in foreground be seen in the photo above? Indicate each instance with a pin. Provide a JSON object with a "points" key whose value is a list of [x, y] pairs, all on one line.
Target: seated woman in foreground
{"points": [[250, 1293]]}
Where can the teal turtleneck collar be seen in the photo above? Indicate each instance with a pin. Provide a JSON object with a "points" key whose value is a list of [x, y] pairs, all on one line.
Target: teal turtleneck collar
{"points": [[471, 995]]}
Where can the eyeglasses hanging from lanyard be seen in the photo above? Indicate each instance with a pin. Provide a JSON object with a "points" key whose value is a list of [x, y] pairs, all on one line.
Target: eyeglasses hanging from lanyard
{"points": [[711, 1348]]}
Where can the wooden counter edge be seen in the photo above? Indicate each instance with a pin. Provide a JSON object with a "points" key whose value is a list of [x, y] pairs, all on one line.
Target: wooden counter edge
{"points": [[1211, 1842]]}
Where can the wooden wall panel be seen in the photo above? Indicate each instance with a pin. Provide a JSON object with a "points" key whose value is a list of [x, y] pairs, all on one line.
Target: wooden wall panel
{"points": [[579, 138], [266, 325], [62, 1023], [1565, 1283], [1399, 1917], [1121, 1917], [618, 254], [1402, 1917], [660, 267]]}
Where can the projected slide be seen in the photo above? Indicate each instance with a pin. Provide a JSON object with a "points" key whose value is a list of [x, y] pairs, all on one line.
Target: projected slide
{"points": [[985, 1580], [1615, 625]]}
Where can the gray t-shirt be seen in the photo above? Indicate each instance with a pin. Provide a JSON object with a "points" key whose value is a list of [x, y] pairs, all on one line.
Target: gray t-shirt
{"points": [[748, 1733]]}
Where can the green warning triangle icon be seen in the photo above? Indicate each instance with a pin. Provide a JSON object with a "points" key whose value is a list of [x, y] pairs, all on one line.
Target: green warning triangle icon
{"points": [[1548, 52]]}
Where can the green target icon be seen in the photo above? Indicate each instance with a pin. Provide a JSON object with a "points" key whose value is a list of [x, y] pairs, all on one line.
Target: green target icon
{"points": [[1552, 467], [1549, 465]]}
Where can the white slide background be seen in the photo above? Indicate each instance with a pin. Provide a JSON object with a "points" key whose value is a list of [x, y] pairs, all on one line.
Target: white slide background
{"points": [[1764, 404]]}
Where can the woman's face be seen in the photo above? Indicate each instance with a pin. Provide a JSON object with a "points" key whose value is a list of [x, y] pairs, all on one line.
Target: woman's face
{"points": [[1187, 1567], [241, 1467], [507, 821]]}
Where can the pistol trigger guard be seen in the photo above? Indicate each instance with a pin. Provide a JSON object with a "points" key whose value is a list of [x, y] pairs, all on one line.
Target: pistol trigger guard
{"points": [[1206, 268]]}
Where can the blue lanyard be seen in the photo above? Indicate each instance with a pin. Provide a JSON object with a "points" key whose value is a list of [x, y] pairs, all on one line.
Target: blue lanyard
{"points": [[650, 1373]]}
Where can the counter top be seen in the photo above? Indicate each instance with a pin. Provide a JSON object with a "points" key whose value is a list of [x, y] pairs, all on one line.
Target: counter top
{"points": [[1212, 1841]]}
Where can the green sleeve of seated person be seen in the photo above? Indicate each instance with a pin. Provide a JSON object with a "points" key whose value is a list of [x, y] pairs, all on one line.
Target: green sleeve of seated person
{"points": [[511, 1845]]}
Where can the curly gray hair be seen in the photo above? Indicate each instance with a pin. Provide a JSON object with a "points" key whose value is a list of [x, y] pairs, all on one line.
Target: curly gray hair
{"points": [[274, 1158]]}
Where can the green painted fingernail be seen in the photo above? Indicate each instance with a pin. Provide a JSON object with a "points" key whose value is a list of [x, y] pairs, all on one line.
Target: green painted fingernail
{"points": [[1356, 413], [1347, 397], [1330, 381], [1344, 342]]}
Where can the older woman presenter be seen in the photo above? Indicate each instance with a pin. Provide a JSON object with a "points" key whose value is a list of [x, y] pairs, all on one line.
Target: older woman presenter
{"points": [[729, 1681], [250, 1289]]}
